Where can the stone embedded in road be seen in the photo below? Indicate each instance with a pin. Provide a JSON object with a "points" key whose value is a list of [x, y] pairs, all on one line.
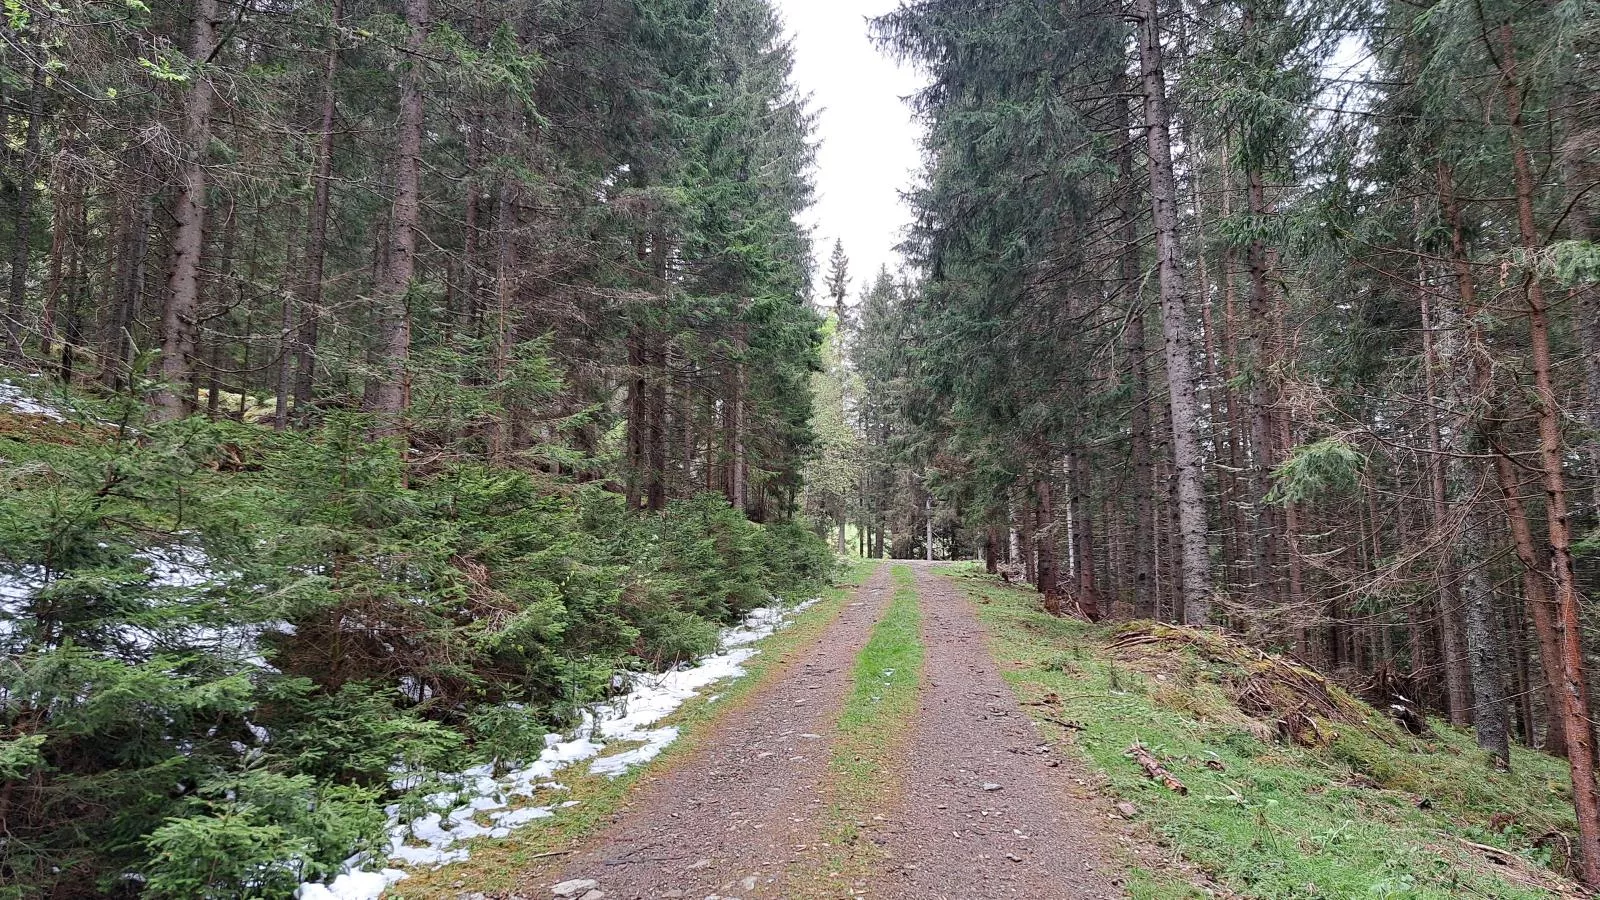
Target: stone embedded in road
{"points": [[576, 887], [990, 786]]}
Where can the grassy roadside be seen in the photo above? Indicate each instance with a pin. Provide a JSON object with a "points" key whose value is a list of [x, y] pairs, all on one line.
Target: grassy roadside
{"points": [[1363, 812], [538, 848], [874, 723]]}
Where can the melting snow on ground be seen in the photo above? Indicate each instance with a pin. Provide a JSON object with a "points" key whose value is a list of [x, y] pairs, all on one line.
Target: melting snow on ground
{"points": [[479, 803], [18, 400]]}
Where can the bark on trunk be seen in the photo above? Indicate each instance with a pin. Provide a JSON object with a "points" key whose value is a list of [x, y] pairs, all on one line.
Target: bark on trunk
{"points": [[1580, 746], [505, 267], [306, 335], [735, 431], [22, 230], [1536, 598], [1083, 538], [1263, 403], [175, 398], [1045, 535], [1030, 555], [1469, 391], [1143, 550], [1185, 411], [1452, 628], [390, 395]]}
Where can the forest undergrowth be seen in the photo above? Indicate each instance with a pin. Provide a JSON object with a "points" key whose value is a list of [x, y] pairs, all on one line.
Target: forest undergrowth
{"points": [[1353, 807], [227, 649]]}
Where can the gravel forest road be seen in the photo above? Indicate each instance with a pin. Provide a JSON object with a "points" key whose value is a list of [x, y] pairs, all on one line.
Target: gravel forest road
{"points": [[982, 806], [724, 822]]}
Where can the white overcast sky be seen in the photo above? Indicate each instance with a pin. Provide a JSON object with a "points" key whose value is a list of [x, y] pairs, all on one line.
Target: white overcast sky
{"points": [[869, 151]]}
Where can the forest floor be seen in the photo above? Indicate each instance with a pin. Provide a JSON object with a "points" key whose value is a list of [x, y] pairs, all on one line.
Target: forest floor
{"points": [[932, 734]]}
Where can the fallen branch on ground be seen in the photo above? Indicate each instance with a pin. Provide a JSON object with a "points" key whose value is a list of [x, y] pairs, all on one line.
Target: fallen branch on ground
{"points": [[1153, 768]]}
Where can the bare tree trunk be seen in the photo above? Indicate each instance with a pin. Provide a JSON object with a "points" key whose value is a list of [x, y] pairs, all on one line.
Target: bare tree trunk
{"points": [[1471, 543], [1187, 460], [1263, 402], [1514, 624], [736, 461], [1083, 537], [130, 287], [284, 381], [1580, 745], [1045, 534], [55, 279], [390, 394], [633, 469], [22, 230], [1451, 625], [1144, 525], [76, 280], [1030, 556], [1537, 600], [505, 267], [178, 317], [1484, 637], [306, 336]]}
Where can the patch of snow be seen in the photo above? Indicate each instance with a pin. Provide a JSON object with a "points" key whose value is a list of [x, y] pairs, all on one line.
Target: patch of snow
{"points": [[355, 885], [18, 400], [476, 795]]}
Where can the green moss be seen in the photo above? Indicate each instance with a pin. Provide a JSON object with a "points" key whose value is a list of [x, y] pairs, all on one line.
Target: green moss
{"points": [[1344, 819]]}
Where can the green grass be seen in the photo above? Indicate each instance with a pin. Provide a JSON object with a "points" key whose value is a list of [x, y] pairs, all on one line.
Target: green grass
{"points": [[1345, 819], [874, 724], [535, 850]]}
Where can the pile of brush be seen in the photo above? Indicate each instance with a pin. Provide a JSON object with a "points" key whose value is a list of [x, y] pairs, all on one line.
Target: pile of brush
{"points": [[1294, 699]]}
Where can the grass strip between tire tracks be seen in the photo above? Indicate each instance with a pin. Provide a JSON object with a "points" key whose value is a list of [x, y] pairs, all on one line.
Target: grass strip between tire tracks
{"points": [[875, 722]]}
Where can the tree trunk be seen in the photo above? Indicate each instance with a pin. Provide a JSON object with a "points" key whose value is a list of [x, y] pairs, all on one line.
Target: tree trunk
{"points": [[1580, 746], [1045, 534], [1451, 624], [505, 269], [76, 280], [1263, 401], [22, 230], [1030, 555], [735, 436], [1185, 411], [175, 398], [1463, 599], [55, 279], [1484, 637], [1143, 551], [1083, 537], [306, 336], [131, 270], [390, 394], [1536, 598]]}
